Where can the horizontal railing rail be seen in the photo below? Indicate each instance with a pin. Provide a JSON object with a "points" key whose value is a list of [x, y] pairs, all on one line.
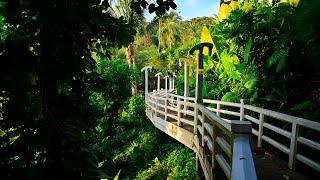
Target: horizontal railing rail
{"points": [[264, 119], [268, 120], [214, 138]]}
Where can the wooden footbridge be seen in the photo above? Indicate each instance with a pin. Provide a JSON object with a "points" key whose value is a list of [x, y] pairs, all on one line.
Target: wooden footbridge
{"points": [[220, 132]]}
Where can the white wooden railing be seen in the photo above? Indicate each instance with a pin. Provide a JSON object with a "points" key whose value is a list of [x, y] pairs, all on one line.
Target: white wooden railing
{"points": [[217, 142], [263, 120], [267, 120]]}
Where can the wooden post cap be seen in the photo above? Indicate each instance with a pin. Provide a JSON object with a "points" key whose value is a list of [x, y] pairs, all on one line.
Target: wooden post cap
{"points": [[241, 127]]}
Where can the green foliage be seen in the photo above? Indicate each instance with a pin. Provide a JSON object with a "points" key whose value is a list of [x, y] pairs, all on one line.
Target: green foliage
{"points": [[139, 151], [259, 56], [178, 164], [278, 57], [230, 97]]}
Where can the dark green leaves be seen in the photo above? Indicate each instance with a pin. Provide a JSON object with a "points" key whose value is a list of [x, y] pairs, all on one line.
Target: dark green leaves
{"points": [[230, 97], [159, 8], [278, 57], [246, 53]]}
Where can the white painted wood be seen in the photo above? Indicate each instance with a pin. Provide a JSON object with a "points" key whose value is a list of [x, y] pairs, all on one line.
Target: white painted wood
{"points": [[173, 78], [231, 104], [208, 127], [146, 86], [252, 119], [260, 132], [178, 133], [187, 121], [158, 103], [242, 160], [293, 145], [186, 83], [314, 145], [196, 142], [215, 119], [218, 109], [199, 129], [212, 109], [224, 165], [200, 119], [158, 75], [276, 144], [309, 162], [309, 124], [205, 172], [190, 113], [172, 108], [229, 112], [170, 82], [277, 130], [179, 109], [255, 132], [241, 109], [187, 104], [225, 146], [172, 116], [208, 142]]}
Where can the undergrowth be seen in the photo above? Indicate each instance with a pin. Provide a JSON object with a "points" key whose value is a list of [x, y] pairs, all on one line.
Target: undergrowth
{"points": [[140, 151]]}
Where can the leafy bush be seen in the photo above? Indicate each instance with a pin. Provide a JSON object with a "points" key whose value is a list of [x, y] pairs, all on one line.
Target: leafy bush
{"points": [[178, 163]]}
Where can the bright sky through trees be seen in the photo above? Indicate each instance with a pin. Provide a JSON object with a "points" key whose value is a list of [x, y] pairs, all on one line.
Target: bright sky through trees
{"points": [[189, 9]]}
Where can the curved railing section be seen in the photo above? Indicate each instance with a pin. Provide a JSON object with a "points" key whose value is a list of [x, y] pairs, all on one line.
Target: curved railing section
{"points": [[216, 141]]}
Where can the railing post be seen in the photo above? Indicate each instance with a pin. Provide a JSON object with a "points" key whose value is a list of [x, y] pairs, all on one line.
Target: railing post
{"points": [[173, 77], [241, 109], [199, 70], [166, 84], [158, 84], [218, 109], [260, 133], [166, 101], [146, 71], [186, 83], [293, 145], [170, 83], [199, 81], [178, 111], [242, 165]]}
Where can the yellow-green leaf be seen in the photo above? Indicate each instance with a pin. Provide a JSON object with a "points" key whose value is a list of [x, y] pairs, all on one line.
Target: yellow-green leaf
{"points": [[233, 5], [224, 11], [206, 37], [247, 6], [291, 2]]}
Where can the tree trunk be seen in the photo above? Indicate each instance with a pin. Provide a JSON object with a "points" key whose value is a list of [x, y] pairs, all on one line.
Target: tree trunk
{"points": [[132, 63]]}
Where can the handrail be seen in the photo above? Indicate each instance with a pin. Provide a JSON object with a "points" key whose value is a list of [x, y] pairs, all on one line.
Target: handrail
{"points": [[262, 120], [186, 107], [211, 133], [242, 159]]}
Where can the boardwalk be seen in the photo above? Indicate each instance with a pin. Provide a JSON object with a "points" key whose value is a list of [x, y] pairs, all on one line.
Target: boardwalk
{"points": [[220, 132], [222, 145]]}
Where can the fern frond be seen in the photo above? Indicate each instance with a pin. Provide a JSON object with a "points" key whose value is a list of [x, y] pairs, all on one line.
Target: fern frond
{"points": [[278, 56]]}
